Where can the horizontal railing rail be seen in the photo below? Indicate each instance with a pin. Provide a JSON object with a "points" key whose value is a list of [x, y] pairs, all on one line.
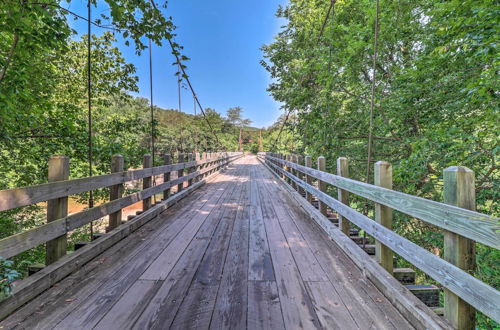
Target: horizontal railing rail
{"points": [[478, 294], [24, 196], [18, 243], [479, 227]]}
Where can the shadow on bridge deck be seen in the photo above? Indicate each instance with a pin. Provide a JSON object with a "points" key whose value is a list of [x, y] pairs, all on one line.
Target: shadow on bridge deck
{"points": [[238, 253]]}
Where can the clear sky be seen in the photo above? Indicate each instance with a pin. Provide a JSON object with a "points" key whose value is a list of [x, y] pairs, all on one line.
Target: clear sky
{"points": [[222, 38]]}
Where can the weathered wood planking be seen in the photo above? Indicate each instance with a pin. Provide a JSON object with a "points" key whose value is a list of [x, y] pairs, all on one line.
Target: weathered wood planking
{"points": [[41, 281], [18, 197], [90, 311], [260, 266], [478, 294], [13, 245], [474, 225], [264, 310], [162, 308], [411, 307], [232, 297], [295, 303], [87, 280], [197, 306]]}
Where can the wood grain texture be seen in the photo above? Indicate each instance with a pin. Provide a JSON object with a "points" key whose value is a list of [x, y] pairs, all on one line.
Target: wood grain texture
{"points": [[18, 197], [478, 294], [459, 190], [56, 209], [13, 245], [29, 288], [231, 305], [383, 214], [264, 310], [411, 307], [476, 226], [116, 192]]}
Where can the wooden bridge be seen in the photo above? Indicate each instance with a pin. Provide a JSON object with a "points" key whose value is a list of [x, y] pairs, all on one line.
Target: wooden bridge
{"points": [[245, 242]]}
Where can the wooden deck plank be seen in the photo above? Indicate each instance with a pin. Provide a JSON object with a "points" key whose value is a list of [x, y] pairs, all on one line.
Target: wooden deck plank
{"points": [[356, 292], [306, 262], [162, 308], [260, 266], [91, 310], [264, 309], [163, 264], [197, 306], [296, 305], [231, 304], [131, 304], [87, 280]]}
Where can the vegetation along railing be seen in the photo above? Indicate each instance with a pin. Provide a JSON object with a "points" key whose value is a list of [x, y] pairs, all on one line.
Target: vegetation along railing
{"points": [[456, 216], [59, 223]]}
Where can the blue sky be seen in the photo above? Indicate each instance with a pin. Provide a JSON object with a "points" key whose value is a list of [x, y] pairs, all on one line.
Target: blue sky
{"points": [[222, 38]]}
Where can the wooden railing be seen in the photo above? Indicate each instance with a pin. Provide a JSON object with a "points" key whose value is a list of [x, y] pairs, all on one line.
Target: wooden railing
{"points": [[461, 224], [59, 223]]}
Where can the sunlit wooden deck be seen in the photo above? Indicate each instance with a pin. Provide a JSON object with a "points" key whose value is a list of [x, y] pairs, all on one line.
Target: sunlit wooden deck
{"points": [[237, 253]]}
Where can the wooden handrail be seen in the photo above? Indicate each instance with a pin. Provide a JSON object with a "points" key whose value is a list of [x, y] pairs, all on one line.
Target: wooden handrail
{"points": [[24, 196], [18, 243], [478, 294], [479, 227]]}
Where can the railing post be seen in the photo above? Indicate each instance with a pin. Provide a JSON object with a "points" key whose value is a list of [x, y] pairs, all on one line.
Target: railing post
{"points": [[383, 214], [167, 160], [147, 182], [180, 173], [321, 184], [190, 169], [459, 190], [343, 195], [284, 167], [308, 163], [115, 192], [294, 172], [288, 169], [300, 175], [197, 158], [57, 209]]}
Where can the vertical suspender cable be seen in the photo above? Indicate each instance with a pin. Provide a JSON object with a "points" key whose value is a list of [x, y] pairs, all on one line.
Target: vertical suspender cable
{"points": [[179, 84], [89, 96], [372, 101], [151, 102], [152, 112]]}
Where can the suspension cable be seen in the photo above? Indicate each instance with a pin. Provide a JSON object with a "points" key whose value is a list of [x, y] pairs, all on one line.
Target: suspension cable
{"points": [[151, 102], [372, 101], [89, 113]]}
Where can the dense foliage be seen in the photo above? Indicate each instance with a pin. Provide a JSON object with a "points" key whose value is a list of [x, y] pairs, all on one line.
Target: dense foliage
{"points": [[436, 95]]}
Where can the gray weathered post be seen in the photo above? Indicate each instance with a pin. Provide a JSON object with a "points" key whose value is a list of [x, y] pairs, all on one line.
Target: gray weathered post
{"points": [[294, 171], [115, 192], [459, 190], [180, 173], [167, 160], [190, 169], [343, 195], [308, 163], [321, 184], [383, 214], [57, 208], [300, 175], [283, 167], [147, 182]]}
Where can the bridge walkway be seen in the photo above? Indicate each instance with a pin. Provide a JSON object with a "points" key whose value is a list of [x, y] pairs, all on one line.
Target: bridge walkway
{"points": [[237, 253]]}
